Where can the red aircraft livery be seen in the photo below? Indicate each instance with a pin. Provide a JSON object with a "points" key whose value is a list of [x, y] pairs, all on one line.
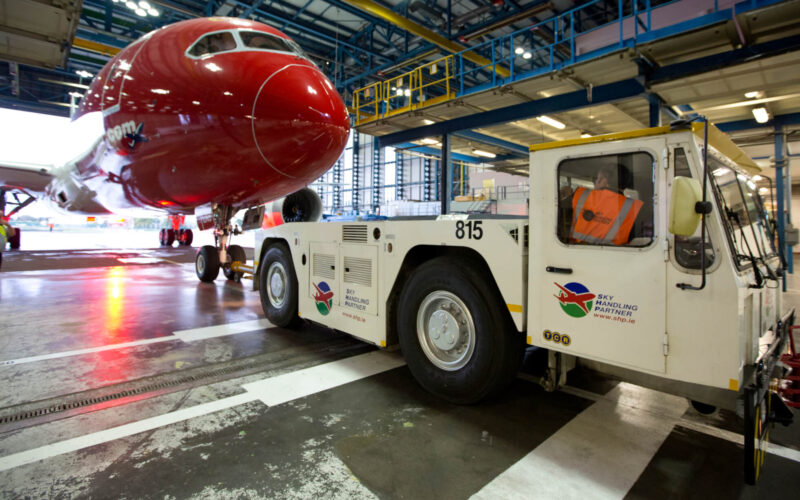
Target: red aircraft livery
{"points": [[205, 117], [569, 297], [322, 296]]}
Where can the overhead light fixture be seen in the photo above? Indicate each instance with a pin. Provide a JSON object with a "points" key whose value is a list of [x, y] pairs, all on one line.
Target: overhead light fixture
{"points": [[428, 140], [755, 94], [585, 135], [131, 5], [761, 115], [83, 73], [485, 154], [153, 12], [428, 122], [763, 190], [399, 91], [526, 55], [407, 92], [757, 178], [144, 5], [519, 51], [549, 121], [141, 12], [76, 95]]}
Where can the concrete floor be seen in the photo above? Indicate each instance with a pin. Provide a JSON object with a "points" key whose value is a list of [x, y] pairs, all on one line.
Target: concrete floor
{"points": [[122, 376]]}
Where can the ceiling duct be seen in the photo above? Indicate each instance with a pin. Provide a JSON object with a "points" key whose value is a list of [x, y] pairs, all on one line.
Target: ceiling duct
{"points": [[432, 11], [469, 16], [538, 9]]}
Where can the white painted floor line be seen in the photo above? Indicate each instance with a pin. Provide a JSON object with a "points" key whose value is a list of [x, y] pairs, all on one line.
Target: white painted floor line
{"points": [[184, 335], [735, 437], [598, 454], [277, 390]]}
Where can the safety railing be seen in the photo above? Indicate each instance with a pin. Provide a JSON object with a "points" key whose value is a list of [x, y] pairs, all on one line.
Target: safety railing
{"points": [[582, 33]]}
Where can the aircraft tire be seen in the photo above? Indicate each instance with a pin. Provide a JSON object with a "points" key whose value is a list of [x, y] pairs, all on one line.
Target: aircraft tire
{"points": [[206, 263], [15, 241], [235, 253], [458, 342], [278, 287], [185, 237], [170, 237], [162, 237]]}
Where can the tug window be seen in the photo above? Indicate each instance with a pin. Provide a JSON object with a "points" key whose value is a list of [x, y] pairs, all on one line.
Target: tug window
{"points": [[687, 248], [606, 200], [213, 43], [265, 41]]}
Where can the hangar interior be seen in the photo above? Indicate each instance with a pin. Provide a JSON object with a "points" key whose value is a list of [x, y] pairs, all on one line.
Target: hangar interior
{"points": [[446, 99]]}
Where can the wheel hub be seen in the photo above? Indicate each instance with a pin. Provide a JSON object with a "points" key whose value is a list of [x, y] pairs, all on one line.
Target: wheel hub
{"points": [[201, 264], [445, 330], [276, 278]]}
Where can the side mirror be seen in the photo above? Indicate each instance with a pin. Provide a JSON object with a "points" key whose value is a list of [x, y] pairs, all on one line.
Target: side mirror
{"points": [[683, 202]]}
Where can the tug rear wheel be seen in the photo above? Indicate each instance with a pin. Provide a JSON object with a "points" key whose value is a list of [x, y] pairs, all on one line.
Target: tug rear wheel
{"points": [[278, 287]]}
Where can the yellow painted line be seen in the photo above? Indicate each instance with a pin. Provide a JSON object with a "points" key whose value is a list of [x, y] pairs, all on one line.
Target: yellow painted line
{"points": [[171, 262], [514, 308], [733, 384]]}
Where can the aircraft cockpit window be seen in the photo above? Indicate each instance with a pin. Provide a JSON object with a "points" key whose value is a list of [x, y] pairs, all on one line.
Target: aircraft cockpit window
{"points": [[213, 43], [265, 41]]}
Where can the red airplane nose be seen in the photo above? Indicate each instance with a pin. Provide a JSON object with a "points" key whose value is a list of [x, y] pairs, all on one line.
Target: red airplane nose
{"points": [[300, 123]]}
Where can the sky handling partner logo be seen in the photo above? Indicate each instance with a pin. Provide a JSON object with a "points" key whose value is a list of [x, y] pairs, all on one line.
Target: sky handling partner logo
{"points": [[575, 299], [324, 298]]}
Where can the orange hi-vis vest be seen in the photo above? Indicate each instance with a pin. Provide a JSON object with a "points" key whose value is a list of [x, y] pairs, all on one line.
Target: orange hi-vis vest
{"points": [[602, 217]]}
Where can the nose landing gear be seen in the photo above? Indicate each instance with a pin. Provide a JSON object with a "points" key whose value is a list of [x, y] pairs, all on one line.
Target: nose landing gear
{"points": [[222, 255]]}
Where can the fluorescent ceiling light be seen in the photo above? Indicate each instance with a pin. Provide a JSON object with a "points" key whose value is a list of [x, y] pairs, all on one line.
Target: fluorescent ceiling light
{"points": [[753, 95], [519, 50], [428, 122], [761, 115], [751, 185], [757, 178], [407, 92], [763, 190], [485, 154], [144, 5], [526, 55], [553, 123], [399, 91], [428, 140], [83, 73], [153, 12], [141, 12], [76, 95], [585, 135]]}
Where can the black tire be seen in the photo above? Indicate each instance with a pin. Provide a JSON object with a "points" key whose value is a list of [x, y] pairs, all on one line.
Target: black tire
{"points": [[206, 263], [162, 237], [185, 237], [278, 287], [235, 254], [170, 237], [15, 241], [482, 357], [703, 408]]}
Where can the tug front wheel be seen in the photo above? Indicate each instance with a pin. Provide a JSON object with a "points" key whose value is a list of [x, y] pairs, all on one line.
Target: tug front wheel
{"points": [[206, 263], [458, 343], [278, 287]]}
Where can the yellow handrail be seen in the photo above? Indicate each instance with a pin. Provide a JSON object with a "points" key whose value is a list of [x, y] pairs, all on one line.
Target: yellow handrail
{"points": [[405, 92]]}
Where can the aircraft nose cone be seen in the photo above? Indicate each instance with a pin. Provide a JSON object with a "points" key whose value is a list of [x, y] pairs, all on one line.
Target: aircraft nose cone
{"points": [[300, 124]]}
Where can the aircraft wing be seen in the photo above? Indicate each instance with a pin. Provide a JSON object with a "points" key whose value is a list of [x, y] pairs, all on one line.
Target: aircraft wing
{"points": [[27, 176]]}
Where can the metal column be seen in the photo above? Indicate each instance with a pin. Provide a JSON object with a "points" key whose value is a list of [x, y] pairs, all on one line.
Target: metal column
{"points": [[356, 173], [446, 176], [655, 110], [426, 179], [780, 189], [399, 176], [377, 181], [337, 184]]}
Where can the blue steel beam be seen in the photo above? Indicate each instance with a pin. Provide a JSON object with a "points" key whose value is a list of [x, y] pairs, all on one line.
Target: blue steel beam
{"points": [[725, 59], [602, 94], [494, 141]]}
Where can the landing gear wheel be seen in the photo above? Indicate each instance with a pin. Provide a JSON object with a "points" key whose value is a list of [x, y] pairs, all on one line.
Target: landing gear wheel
{"points": [[235, 254], [458, 343], [206, 263], [166, 237], [14, 241], [278, 287], [185, 237]]}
